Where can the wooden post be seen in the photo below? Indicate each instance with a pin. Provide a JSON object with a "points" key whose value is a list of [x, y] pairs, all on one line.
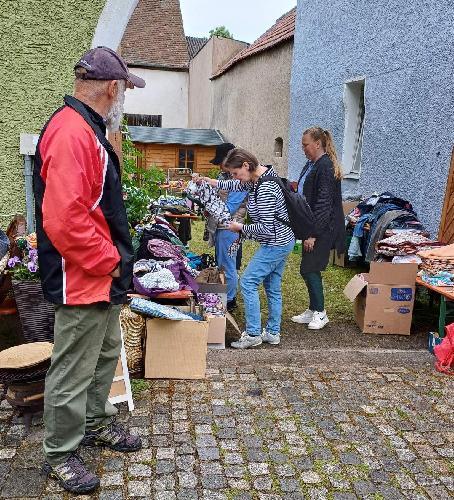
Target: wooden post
{"points": [[115, 139], [446, 231]]}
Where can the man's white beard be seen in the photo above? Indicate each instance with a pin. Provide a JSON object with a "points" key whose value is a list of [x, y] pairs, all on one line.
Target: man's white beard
{"points": [[115, 113]]}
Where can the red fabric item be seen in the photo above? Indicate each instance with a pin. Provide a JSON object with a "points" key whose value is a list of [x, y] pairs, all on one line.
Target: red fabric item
{"points": [[444, 352]]}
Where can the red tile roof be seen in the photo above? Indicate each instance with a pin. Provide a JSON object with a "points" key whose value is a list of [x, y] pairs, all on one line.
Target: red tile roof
{"points": [[282, 31], [154, 36]]}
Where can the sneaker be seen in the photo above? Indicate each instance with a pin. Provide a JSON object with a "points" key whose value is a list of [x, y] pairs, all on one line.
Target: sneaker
{"points": [[319, 320], [271, 338], [304, 318], [72, 475], [246, 341], [114, 436]]}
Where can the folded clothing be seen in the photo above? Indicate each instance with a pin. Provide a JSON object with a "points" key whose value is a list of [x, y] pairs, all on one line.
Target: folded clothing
{"points": [[404, 243], [445, 252], [442, 278], [211, 303], [155, 310]]}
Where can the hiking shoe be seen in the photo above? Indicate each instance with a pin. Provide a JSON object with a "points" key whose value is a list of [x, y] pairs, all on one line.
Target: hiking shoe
{"points": [[271, 338], [72, 475], [319, 320], [114, 436], [246, 341], [304, 318]]}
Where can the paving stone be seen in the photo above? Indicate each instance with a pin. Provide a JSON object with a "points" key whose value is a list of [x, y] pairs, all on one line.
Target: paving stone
{"points": [[344, 496], [164, 495], [258, 469], [139, 489], [238, 484], [364, 488], [112, 479], [289, 485], [310, 477], [213, 481], [210, 468], [113, 465], [164, 482], [187, 480], [165, 467], [111, 495], [208, 453], [233, 458], [23, 483], [187, 494], [139, 470], [391, 493], [350, 458]]}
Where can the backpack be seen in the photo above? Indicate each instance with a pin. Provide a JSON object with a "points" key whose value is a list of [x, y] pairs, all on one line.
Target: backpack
{"points": [[301, 219]]}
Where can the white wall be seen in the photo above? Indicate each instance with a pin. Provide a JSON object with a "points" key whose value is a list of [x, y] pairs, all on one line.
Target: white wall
{"points": [[166, 94]]}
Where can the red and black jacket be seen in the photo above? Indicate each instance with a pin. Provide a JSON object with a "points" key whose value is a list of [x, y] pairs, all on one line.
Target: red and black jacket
{"points": [[81, 222]]}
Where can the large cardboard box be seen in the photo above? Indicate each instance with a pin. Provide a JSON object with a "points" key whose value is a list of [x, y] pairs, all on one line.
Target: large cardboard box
{"points": [[216, 327], [383, 299], [176, 349]]}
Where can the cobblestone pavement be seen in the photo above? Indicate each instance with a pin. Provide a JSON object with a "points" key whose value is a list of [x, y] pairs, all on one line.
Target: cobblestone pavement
{"points": [[340, 432]]}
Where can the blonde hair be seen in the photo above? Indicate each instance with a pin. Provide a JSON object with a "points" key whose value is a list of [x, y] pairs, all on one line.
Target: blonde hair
{"points": [[326, 140]]}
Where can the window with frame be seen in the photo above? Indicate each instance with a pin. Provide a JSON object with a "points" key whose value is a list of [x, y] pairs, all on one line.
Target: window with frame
{"points": [[355, 112], [186, 158], [143, 120], [278, 146]]}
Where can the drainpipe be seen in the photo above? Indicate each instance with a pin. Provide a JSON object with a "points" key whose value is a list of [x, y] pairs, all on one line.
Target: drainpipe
{"points": [[29, 199], [27, 149]]}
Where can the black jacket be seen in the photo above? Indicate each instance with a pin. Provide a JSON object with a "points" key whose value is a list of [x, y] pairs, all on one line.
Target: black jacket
{"points": [[324, 195]]}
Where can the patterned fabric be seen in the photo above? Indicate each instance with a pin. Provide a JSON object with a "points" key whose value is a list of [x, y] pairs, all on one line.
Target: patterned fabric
{"points": [[211, 303], [404, 243], [155, 310], [133, 328], [162, 280], [442, 278], [160, 248]]}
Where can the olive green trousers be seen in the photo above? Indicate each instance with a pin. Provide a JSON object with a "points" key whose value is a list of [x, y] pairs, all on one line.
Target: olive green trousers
{"points": [[87, 343]]}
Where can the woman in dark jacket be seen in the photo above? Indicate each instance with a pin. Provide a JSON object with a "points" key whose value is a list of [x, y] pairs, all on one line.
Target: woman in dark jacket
{"points": [[320, 182]]}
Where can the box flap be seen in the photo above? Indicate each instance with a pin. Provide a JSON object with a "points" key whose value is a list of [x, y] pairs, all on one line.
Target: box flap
{"points": [[354, 287], [387, 273]]}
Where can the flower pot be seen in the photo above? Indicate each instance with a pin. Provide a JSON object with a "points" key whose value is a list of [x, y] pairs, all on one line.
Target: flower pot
{"points": [[36, 315]]}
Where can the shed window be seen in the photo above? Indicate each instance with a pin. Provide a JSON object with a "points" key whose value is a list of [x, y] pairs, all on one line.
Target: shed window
{"points": [[186, 158], [355, 111], [278, 146]]}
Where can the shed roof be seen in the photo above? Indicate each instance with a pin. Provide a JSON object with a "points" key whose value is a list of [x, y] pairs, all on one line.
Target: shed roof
{"points": [[195, 45], [154, 36], [186, 136], [280, 32]]}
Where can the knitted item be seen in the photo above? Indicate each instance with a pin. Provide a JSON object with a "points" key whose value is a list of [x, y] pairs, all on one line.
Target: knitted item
{"points": [[155, 310]]}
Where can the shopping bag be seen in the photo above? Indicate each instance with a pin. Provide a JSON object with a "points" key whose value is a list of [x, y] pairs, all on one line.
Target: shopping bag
{"points": [[444, 352]]}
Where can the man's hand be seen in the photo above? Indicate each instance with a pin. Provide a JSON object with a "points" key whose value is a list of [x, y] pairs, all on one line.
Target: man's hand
{"points": [[236, 227], [116, 272], [309, 244]]}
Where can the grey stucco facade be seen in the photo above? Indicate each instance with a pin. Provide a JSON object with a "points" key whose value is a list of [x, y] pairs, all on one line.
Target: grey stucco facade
{"points": [[404, 51], [251, 104]]}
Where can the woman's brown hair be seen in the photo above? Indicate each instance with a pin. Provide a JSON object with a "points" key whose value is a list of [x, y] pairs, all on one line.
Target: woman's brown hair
{"points": [[237, 156], [326, 140]]}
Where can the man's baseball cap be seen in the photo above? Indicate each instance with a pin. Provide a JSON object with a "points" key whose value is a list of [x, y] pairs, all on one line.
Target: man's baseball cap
{"points": [[221, 152], [102, 63]]}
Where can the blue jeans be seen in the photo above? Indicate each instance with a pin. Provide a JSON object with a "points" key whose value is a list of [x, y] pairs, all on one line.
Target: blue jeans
{"points": [[223, 239], [267, 266]]}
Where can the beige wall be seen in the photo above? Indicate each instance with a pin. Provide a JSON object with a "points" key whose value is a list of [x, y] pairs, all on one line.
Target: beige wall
{"points": [[215, 53], [251, 104], [166, 94]]}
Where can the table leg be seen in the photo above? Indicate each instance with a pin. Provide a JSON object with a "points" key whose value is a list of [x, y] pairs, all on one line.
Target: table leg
{"points": [[442, 317]]}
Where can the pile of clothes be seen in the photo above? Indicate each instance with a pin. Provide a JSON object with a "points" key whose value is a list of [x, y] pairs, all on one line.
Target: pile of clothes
{"points": [[373, 217], [405, 243], [438, 265]]}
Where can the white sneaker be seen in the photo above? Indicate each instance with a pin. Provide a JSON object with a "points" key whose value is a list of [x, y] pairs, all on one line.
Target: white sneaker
{"points": [[304, 318], [319, 320], [246, 341], [270, 338]]}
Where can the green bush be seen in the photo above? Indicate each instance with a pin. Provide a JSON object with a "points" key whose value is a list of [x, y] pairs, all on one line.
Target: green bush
{"points": [[140, 185], [214, 172]]}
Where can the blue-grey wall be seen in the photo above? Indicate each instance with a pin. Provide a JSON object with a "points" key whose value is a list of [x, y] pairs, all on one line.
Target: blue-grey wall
{"points": [[404, 49]]}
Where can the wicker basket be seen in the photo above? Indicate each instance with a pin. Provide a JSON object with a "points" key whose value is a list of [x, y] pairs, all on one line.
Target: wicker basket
{"points": [[36, 315]]}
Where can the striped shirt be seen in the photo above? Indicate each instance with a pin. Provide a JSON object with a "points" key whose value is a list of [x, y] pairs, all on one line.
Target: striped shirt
{"points": [[270, 203]]}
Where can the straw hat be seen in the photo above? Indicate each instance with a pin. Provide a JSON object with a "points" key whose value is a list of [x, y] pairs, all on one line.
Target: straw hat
{"points": [[24, 355]]}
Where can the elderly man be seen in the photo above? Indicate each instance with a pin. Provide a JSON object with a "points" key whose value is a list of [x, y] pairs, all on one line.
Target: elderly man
{"points": [[86, 257]]}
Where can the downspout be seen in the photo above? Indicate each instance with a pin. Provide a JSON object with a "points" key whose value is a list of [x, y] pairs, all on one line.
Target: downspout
{"points": [[29, 198]]}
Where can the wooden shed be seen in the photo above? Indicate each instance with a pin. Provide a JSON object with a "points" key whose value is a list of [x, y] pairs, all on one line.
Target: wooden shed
{"points": [[176, 148]]}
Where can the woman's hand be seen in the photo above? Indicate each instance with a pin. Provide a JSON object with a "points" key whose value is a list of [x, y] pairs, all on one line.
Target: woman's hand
{"points": [[309, 244], [236, 227], [198, 179]]}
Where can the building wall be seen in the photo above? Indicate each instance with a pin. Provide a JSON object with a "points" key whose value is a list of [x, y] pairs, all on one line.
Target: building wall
{"points": [[404, 51], [48, 38], [166, 94], [165, 156], [251, 104], [215, 53]]}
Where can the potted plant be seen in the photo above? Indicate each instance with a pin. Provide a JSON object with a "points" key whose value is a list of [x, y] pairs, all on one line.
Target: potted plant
{"points": [[35, 313]]}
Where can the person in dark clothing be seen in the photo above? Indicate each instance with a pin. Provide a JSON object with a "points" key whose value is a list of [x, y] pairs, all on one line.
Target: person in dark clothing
{"points": [[320, 182]]}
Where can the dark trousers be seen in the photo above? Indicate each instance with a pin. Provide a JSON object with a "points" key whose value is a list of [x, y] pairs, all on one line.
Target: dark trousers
{"points": [[314, 285]]}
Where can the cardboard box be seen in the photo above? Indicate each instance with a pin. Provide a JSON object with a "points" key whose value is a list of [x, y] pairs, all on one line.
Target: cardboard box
{"points": [[219, 288], [216, 327], [383, 299], [342, 260], [176, 349]]}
